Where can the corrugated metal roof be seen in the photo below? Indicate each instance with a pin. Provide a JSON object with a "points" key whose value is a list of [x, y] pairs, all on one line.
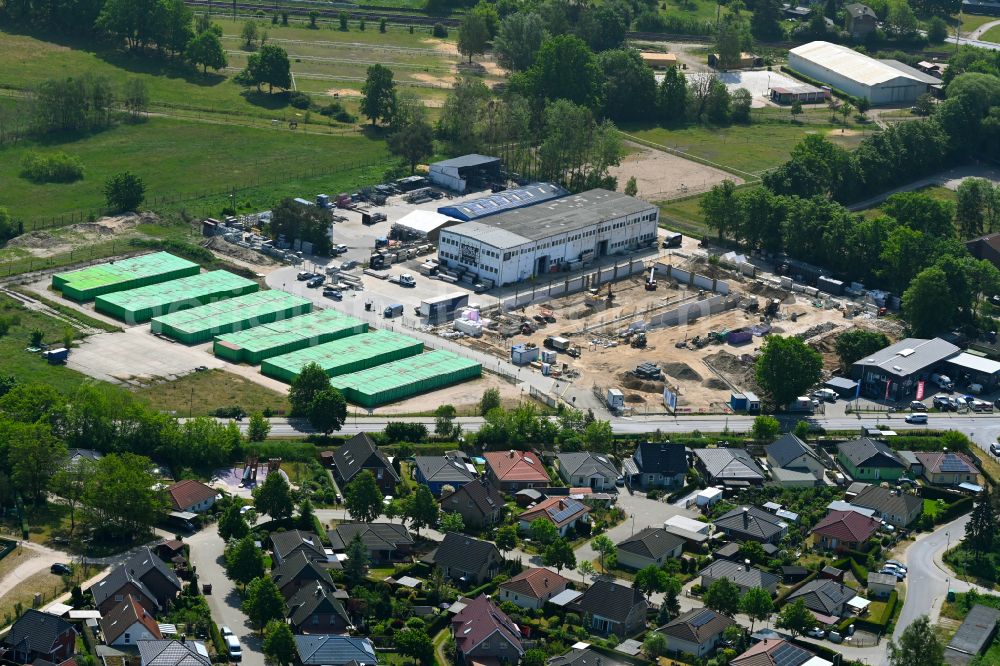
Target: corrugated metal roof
{"points": [[503, 201], [976, 363], [849, 63]]}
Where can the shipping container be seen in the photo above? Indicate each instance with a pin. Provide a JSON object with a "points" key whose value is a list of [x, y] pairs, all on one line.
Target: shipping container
{"points": [[358, 352], [139, 305], [88, 283], [402, 379], [286, 336], [201, 324]]}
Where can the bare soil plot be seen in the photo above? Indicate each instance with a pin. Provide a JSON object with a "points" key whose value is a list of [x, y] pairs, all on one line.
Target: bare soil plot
{"points": [[661, 176]]}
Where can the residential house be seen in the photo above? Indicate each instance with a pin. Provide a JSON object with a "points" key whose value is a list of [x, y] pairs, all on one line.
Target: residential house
{"points": [[128, 623], [778, 653], [359, 454], [794, 463], [317, 610], [436, 472], [826, 598], [739, 574], [191, 495], [870, 460], [729, 467], [333, 650], [697, 631], [791, 574], [748, 523], [38, 635], [948, 468], [860, 20], [880, 585], [587, 470], [651, 546], [513, 470], [914, 467], [585, 656], [656, 465], [843, 530], [563, 512], [896, 508], [286, 544], [297, 572], [974, 636], [385, 542], [466, 559], [143, 576], [532, 588], [612, 608], [482, 631], [479, 503], [170, 652], [75, 456], [731, 551]]}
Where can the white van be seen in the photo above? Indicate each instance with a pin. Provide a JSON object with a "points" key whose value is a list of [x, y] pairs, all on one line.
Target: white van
{"points": [[233, 646], [826, 394], [917, 417]]}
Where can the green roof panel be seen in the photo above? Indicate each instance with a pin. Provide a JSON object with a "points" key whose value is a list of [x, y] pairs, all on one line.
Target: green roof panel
{"points": [[87, 283], [405, 378], [339, 357], [139, 305], [288, 335], [241, 313]]}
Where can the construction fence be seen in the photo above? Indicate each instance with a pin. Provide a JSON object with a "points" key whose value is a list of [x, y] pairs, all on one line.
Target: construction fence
{"points": [[572, 285]]}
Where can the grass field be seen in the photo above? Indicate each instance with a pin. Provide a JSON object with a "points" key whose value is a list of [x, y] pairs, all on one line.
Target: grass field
{"points": [[21, 595], [972, 21], [991, 35], [214, 389], [179, 160]]}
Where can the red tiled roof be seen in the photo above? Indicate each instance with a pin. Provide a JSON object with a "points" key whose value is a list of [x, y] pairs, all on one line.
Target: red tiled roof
{"points": [[566, 509], [846, 526], [516, 466], [479, 620], [187, 493], [123, 616], [537, 583]]}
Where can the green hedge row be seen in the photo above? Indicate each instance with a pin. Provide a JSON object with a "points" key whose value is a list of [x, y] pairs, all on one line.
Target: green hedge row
{"points": [[959, 508]]}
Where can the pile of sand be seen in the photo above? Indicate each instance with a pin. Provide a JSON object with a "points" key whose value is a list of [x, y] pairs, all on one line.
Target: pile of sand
{"points": [[715, 383], [681, 371], [222, 246]]}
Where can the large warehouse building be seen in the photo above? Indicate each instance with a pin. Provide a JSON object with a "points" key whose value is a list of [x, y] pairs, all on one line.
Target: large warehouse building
{"points": [[501, 202], [878, 81], [466, 172], [549, 237]]}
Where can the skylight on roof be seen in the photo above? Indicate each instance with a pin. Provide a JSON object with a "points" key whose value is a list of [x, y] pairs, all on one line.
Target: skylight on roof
{"points": [[906, 352]]}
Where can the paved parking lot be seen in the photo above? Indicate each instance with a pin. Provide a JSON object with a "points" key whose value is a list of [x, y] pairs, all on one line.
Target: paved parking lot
{"points": [[136, 353]]}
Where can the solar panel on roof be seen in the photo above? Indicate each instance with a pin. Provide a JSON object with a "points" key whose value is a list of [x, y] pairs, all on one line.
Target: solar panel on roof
{"points": [[952, 463], [787, 654], [701, 618], [569, 510]]}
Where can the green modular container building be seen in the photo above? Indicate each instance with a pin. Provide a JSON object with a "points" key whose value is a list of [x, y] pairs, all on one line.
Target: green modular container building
{"points": [[87, 283], [402, 379], [340, 357], [138, 305], [204, 322], [288, 335]]}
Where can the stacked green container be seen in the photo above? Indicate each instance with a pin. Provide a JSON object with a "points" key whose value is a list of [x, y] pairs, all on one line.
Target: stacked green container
{"points": [[340, 357], [401, 379], [138, 305], [87, 283], [204, 322], [286, 336]]}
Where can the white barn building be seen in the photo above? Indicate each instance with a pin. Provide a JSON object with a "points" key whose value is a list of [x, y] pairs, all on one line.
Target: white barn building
{"points": [[545, 238], [879, 81]]}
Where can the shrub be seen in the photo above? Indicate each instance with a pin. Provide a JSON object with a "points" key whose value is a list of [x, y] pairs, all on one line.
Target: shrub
{"points": [[440, 31], [52, 168], [299, 99]]}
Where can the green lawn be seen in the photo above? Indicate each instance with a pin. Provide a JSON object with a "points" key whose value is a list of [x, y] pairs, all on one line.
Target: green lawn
{"points": [[182, 160], [991, 35], [213, 389], [972, 21]]}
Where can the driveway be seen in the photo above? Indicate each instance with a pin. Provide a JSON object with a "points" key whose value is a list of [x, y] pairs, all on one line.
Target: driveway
{"points": [[206, 549]]}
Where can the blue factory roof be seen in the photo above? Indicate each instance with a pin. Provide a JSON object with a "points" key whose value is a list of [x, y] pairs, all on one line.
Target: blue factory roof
{"points": [[503, 201]]}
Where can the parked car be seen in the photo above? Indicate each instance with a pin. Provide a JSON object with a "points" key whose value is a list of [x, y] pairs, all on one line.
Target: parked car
{"points": [[233, 647], [896, 563], [900, 575], [61, 569], [995, 449], [916, 418], [316, 282], [348, 265], [226, 631], [816, 632], [333, 293], [917, 406], [304, 275]]}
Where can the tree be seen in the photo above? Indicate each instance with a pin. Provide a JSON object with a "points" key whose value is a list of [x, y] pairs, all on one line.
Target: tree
{"points": [[70, 483], [650, 579], [273, 67], [124, 192], [631, 187], [274, 496], [559, 554], [506, 539], [796, 618], [765, 428], [753, 551], [655, 645], [258, 428], [343, 21], [586, 569], [206, 49], [757, 604], [489, 401], [444, 417], [858, 343], [313, 15], [597, 436], [718, 207], [263, 602], [731, 40], [543, 531], [244, 561], [928, 304], [918, 646], [452, 522], [121, 497], [518, 40], [415, 643], [232, 524], [673, 97], [629, 86], [328, 410], [35, 455], [937, 30], [413, 143], [566, 68], [671, 607], [765, 24], [606, 547], [363, 498], [422, 509], [796, 109], [279, 643], [473, 35], [980, 532], [135, 97], [534, 657], [249, 33], [307, 516], [378, 94], [900, 19], [723, 596], [357, 561], [787, 367], [311, 380], [742, 101]]}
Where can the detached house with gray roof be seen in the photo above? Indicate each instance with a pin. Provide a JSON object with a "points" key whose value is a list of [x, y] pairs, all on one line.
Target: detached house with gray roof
{"points": [[651, 546], [612, 608], [824, 597], [739, 574], [478, 502], [587, 470], [748, 523], [169, 652], [730, 467], [697, 632], [436, 472], [143, 576], [385, 542], [333, 650], [297, 572], [38, 635], [656, 465], [466, 559], [360, 453], [896, 508], [317, 610], [870, 460], [794, 463]]}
